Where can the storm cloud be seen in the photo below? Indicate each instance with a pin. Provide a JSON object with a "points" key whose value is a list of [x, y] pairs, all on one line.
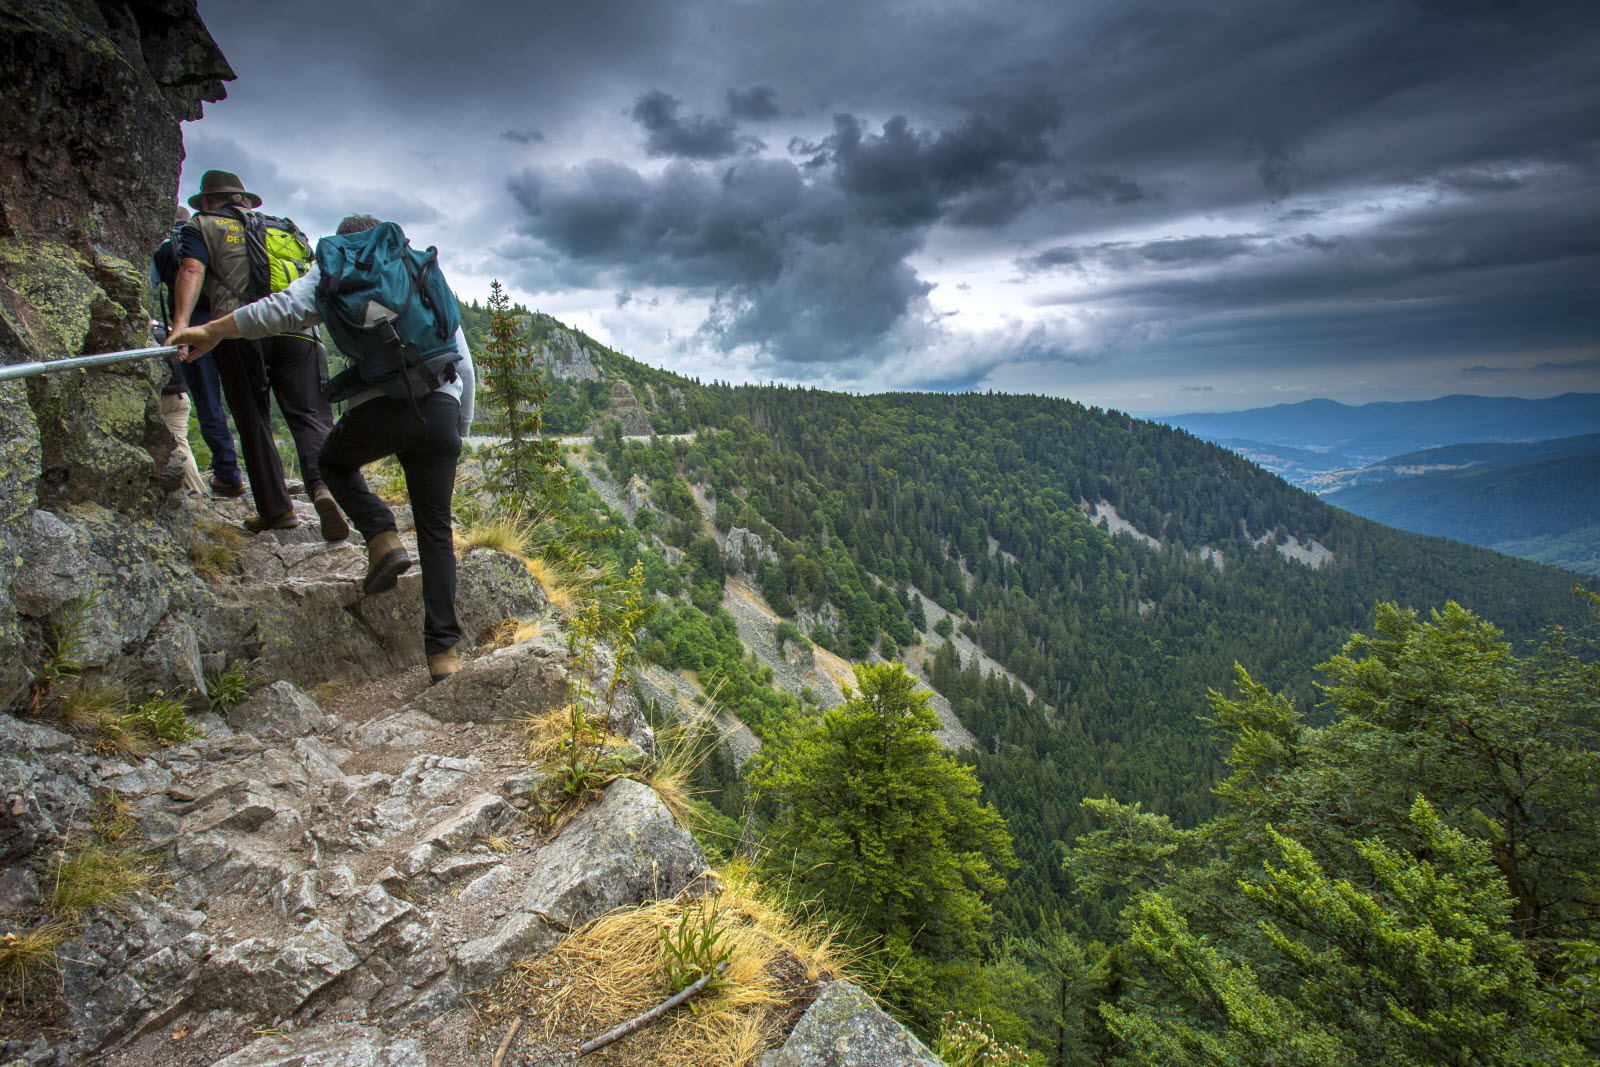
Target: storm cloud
{"points": [[692, 137], [805, 260], [1068, 198]]}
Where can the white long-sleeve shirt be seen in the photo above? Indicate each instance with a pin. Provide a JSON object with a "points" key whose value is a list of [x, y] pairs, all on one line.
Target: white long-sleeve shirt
{"points": [[295, 308]]}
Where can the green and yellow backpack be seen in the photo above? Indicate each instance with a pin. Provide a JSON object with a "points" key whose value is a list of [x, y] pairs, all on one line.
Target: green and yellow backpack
{"points": [[276, 251]]}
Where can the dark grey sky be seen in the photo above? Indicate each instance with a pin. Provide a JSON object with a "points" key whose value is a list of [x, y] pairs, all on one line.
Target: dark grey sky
{"points": [[1183, 206]]}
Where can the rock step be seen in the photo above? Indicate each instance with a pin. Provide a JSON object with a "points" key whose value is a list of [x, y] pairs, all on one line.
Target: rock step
{"points": [[355, 870]]}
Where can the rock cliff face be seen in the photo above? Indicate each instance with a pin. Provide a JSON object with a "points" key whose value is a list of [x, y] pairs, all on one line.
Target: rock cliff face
{"points": [[89, 153], [626, 409]]}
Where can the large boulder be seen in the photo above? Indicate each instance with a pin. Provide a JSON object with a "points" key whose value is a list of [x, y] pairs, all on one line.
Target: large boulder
{"points": [[626, 849], [520, 680], [281, 706], [844, 1028], [312, 629], [127, 572]]}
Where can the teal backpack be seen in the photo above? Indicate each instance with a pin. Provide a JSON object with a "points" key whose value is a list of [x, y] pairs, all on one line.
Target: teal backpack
{"points": [[389, 311]]}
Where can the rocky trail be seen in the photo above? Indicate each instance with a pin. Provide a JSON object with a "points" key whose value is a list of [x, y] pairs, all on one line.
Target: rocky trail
{"points": [[372, 854], [341, 865]]}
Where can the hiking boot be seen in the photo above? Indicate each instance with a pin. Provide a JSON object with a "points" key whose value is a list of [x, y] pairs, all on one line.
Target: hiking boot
{"points": [[287, 521], [334, 528], [442, 665], [386, 562], [222, 488]]}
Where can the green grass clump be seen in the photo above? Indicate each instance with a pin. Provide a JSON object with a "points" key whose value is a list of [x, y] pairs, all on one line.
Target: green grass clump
{"points": [[94, 876], [230, 686], [163, 718], [695, 947]]}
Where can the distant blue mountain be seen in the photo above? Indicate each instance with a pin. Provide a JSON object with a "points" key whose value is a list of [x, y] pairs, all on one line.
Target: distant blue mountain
{"points": [[1541, 507], [1371, 432]]}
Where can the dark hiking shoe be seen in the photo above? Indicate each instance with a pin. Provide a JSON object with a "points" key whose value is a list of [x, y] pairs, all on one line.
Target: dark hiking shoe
{"points": [[386, 562], [442, 665], [334, 528], [287, 521], [222, 488]]}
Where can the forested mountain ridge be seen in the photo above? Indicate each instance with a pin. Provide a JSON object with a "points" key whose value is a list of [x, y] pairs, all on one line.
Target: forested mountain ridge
{"points": [[1545, 509], [869, 508], [1117, 570]]}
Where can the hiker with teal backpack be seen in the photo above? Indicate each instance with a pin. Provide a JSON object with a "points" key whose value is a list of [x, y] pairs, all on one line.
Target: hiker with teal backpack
{"points": [[231, 254], [408, 392]]}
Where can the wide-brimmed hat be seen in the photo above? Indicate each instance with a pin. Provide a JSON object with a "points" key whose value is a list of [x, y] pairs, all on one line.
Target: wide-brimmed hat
{"points": [[220, 181]]}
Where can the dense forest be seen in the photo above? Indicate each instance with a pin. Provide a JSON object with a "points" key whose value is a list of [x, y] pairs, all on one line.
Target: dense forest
{"points": [[877, 508]]}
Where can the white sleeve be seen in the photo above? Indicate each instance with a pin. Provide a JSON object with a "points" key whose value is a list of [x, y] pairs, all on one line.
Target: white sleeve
{"points": [[469, 382], [294, 308]]}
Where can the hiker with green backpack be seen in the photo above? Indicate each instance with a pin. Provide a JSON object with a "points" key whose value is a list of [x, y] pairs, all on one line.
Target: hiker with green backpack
{"points": [[408, 391], [232, 254]]}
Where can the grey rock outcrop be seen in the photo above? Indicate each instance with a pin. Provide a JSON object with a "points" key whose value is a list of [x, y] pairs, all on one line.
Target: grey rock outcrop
{"points": [[626, 409], [281, 706], [85, 195], [744, 551], [844, 1028], [566, 356], [46, 783], [314, 624], [338, 1045]]}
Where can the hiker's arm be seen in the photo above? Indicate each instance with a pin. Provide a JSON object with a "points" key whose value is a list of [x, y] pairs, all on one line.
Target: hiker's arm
{"points": [[202, 339], [186, 291], [294, 308], [469, 382]]}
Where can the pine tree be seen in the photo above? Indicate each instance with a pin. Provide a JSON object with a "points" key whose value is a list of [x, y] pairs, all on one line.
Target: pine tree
{"points": [[1404, 885], [883, 827], [526, 472]]}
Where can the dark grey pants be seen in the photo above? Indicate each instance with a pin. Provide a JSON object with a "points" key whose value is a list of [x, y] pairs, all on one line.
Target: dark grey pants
{"points": [[427, 442], [253, 373]]}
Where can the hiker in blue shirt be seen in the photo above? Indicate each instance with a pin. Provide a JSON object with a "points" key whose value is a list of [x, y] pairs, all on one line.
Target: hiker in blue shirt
{"points": [[423, 432], [205, 388]]}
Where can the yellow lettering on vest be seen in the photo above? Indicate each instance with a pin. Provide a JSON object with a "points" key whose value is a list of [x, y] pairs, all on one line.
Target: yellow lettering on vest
{"points": [[233, 240]]}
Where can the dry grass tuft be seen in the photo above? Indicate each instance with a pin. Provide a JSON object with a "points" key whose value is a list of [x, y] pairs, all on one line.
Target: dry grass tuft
{"points": [[124, 737], [101, 709], [94, 876], [671, 784], [499, 532], [549, 732], [617, 967], [681, 750], [21, 955], [514, 632], [561, 587], [545, 732], [86, 705], [215, 549]]}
